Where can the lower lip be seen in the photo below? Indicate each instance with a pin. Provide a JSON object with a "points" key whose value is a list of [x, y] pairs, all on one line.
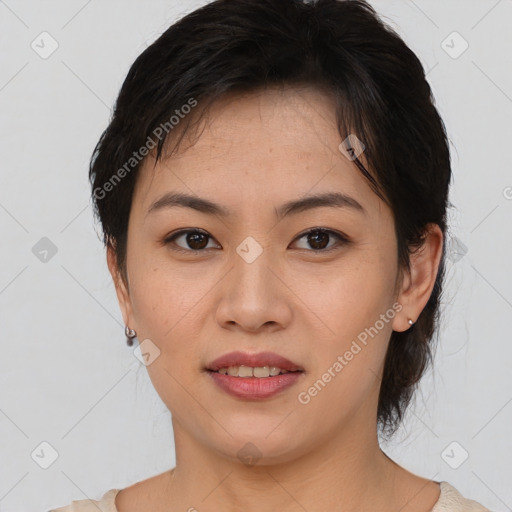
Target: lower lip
{"points": [[255, 388]]}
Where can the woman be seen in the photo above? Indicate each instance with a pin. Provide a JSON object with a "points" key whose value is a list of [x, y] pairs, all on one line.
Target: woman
{"points": [[272, 190]]}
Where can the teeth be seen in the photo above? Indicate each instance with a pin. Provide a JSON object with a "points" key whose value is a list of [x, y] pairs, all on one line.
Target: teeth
{"points": [[274, 370], [249, 371]]}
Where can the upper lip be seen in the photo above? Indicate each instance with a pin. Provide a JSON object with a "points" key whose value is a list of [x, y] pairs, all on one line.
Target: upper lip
{"points": [[259, 359]]}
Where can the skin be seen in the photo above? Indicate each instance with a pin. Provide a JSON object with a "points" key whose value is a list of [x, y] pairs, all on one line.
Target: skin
{"points": [[307, 307]]}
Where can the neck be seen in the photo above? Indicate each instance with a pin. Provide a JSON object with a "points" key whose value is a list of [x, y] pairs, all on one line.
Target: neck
{"points": [[348, 468]]}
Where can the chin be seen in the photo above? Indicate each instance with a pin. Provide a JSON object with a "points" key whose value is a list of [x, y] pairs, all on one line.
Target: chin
{"points": [[260, 444]]}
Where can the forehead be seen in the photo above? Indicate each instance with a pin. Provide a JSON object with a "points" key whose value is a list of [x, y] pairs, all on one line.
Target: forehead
{"points": [[258, 148]]}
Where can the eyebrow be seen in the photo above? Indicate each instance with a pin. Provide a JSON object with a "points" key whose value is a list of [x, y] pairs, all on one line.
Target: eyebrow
{"points": [[329, 199]]}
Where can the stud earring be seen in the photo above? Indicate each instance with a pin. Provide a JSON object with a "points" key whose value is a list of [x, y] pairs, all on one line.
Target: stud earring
{"points": [[130, 334], [411, 322]]}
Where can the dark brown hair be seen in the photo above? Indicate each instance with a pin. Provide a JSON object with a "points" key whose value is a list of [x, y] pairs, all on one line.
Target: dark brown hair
{"points": [[339, 46]]}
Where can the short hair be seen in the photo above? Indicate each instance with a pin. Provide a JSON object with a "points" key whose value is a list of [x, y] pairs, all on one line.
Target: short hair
{"points": [[381, 96]]}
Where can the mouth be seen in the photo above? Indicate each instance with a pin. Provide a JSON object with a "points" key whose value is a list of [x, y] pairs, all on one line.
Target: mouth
{"points": [[254, 376], [259, 372], [261, 365]]}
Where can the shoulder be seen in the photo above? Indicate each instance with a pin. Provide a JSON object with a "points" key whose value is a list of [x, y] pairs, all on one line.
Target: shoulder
{"points": [[451, 500], [105, 504]]}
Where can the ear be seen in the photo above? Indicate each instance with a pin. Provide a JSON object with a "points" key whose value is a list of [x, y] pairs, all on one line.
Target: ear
{"points": [[418, 284], [122, 293]]}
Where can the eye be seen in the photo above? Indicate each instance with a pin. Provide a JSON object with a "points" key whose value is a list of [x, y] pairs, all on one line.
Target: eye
{"points": [[196, 239], [319, 238]]}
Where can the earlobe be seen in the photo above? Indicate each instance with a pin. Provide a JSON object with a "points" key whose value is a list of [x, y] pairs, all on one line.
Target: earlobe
{"points": [[417, 285], [123, 296]]}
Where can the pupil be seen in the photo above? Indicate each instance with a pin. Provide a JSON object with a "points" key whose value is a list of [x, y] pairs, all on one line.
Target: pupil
{"points": [[318, 240], [313, 239], [193, 239]]}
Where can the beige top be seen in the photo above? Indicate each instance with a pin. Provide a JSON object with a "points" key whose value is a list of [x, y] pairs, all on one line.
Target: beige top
{"points": [[450, 500]]}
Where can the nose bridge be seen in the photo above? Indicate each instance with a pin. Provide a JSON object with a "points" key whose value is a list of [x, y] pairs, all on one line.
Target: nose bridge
{"points": [[252, 297], [251, 273]]}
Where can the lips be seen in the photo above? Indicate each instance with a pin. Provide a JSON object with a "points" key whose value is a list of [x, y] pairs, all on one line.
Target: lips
{"points": [[254, 360]]}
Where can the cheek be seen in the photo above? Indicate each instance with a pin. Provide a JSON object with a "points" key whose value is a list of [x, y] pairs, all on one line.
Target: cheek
{"points": [[166, 308], [353, 308], [348, 360], [165, 300], [348, 296]]}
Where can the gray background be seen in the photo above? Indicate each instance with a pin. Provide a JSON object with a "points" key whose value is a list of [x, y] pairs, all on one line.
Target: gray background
{"points": [[67, 376]]}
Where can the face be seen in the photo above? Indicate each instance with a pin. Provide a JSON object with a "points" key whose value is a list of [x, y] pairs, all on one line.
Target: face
{"points": [[309, 285]]}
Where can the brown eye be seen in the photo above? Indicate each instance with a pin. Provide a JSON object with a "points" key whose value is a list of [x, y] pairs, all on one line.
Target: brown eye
{"points": [[194, 240], [318, 239]]}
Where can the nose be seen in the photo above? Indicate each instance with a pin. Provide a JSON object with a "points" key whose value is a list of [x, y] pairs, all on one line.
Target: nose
{"points": [[254, 296]]}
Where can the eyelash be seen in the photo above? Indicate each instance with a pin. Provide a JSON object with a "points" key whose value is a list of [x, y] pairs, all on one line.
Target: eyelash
{"points": [[342, 240]]}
